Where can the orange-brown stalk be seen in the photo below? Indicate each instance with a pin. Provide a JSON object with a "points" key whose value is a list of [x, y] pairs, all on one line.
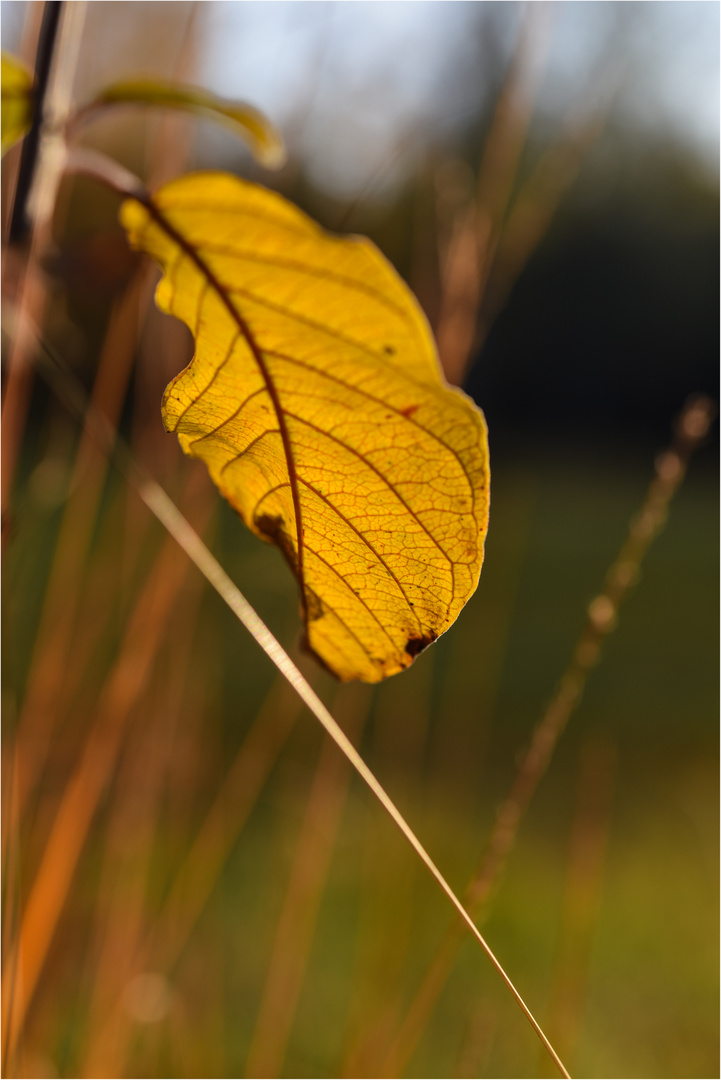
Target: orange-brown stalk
{"points": [[122, 918], [193, 883], [52, 882], [475, 239], [50, 671]]}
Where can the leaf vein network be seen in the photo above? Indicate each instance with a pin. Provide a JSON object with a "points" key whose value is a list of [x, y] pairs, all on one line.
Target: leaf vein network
{"points": [[318, 556], [389, 484], [384, 404], [233, 416], [206, 388], [364, 540], [321, 328], [310, 271], [357, 597], [251, 444]]}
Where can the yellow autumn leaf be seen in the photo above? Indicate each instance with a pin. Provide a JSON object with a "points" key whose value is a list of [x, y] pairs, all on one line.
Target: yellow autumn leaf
{"points": [[16, 100], [316, 400], [256, 129]]}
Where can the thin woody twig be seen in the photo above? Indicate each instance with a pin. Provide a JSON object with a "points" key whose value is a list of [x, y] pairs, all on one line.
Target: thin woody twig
{"points": [[20, 220], [35, 198]]}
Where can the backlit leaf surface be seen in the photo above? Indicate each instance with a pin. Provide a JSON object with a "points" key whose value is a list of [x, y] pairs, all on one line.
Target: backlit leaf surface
{"points": [[16, 100], [316, 400]]}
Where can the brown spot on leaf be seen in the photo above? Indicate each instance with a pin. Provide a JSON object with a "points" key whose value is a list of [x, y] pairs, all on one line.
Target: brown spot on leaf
{"points": [[272, 528], [409, 410], [416, 645]]}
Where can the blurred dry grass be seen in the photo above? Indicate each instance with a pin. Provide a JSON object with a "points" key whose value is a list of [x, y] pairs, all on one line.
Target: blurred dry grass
{"points": [[194, 884]]}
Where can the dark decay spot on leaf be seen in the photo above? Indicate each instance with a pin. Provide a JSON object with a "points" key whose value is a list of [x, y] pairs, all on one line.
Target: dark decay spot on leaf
{"points": [[416, 645], [389, 350], [273, 530], [409, 410]]}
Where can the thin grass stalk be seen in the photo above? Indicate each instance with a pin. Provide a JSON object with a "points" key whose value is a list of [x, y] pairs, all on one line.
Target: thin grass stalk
{"points": [[691, 429], [480, 224], [131, 834], [460, 295], [296, 924], [11, 893], [200, 870], [506, 139], [172, 144], [462, 680], [385, 937], [51, 676], [16, 399], [179, 528], [194, 882], [532, 212], [80, 800]]}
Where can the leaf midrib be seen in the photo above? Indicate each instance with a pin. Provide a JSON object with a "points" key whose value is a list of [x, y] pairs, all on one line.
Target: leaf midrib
{"points": [[225, 297]]}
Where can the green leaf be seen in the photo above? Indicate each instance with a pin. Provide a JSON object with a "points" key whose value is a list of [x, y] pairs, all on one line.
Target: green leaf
{"points": [[16, 100], [264, 139]]}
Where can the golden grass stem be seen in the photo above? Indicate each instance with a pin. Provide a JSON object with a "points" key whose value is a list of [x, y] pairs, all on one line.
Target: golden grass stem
{"points": [[385, 942], [691, 429], [11, 895], [128, 850], [530, 216], [197, 876], [49, 668], [82, 794], [237, 795], [475, 241]]}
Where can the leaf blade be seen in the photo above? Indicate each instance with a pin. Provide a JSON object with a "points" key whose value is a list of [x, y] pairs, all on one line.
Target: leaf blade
{"points": [[316, 400]]}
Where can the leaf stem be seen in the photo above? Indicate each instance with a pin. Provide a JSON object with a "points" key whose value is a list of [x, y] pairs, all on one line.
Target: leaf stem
{"points": [[98, 166]]}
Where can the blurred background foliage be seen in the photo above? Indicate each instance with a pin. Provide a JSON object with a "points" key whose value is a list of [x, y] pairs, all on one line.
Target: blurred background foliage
{"points": [[205, 889]]}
